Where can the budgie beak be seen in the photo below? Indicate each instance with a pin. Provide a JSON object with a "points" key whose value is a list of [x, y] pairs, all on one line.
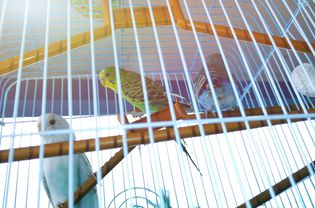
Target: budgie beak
{"points": [[102, 80]]}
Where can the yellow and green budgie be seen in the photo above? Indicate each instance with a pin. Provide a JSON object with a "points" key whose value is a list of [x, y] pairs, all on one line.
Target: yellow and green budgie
{"points": [[132, 89], [133, 93]]}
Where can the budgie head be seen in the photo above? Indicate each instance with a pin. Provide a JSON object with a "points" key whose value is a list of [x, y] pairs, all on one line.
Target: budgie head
{"points": [[52, 122], [107, 77]]}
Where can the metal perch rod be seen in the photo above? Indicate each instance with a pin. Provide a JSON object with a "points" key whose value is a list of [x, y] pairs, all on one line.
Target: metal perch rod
{"points": [[122, 19], [142, 137]]}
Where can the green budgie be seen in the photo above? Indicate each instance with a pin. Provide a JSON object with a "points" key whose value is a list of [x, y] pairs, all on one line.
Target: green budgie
{"points": [[132, 92], [132, 89]]}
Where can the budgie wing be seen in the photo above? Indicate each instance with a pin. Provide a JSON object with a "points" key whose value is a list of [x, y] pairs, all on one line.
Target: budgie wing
{"points": [[47, 189], [133, 92], [86, 166], [86, 169]]}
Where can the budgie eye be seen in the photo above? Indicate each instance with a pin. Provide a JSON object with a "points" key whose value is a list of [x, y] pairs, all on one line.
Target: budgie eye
{"points": [[52, 122], [107, 74]]}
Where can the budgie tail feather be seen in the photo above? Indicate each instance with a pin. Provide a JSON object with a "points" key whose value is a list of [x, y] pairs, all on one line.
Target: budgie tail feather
{"points": [[189, 156]]}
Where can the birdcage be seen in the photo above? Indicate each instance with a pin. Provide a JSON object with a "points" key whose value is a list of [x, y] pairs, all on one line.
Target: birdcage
{"points": [[176, 103]]}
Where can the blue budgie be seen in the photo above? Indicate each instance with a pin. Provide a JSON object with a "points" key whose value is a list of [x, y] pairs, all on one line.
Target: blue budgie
{"points": [[55, 169]]}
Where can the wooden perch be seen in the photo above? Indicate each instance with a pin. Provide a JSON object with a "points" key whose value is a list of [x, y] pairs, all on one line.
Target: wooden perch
{"points": [[136, 138], [280, 187], [92, 181], [162, 115]]}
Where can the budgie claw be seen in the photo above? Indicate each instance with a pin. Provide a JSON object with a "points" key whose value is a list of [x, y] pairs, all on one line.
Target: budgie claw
{"points": [[214, 113], [206, 114], [94, 176], [137, 114]]}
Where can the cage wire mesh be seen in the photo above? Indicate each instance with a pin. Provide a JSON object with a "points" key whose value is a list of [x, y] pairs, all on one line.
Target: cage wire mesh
{"points": [[259, 151]]}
